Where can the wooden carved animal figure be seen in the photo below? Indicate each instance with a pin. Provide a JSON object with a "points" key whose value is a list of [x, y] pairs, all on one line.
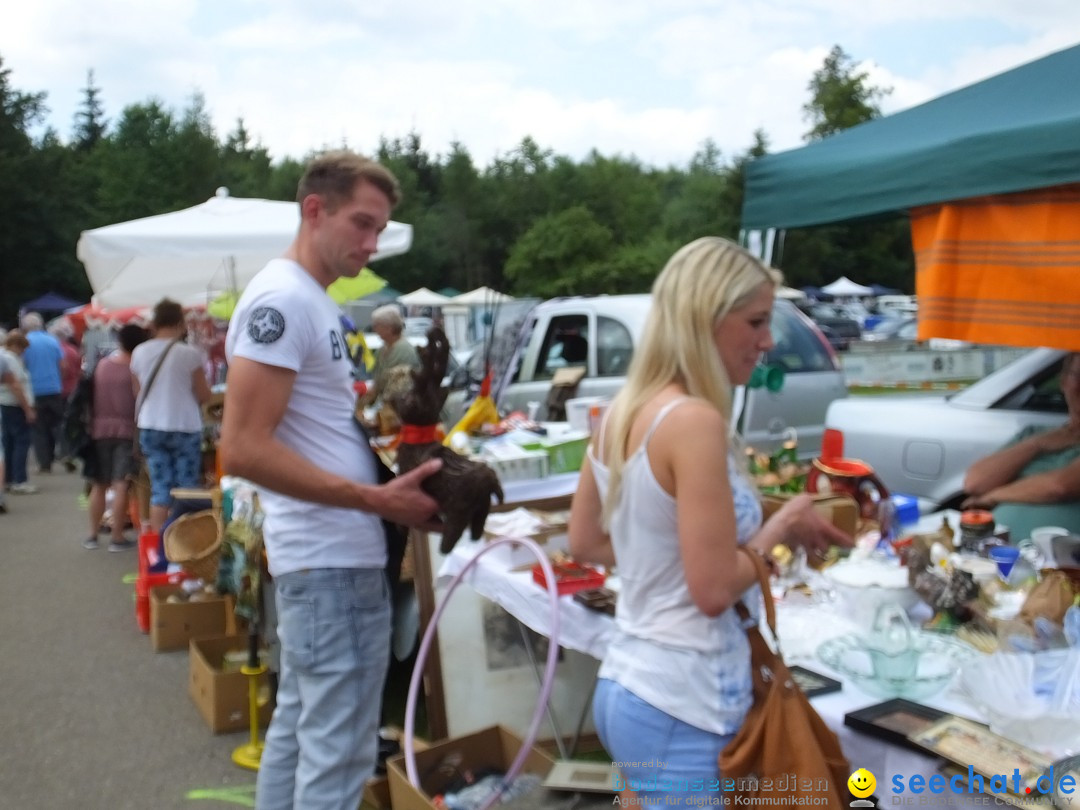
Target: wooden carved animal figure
{"points": [[462, 488]]}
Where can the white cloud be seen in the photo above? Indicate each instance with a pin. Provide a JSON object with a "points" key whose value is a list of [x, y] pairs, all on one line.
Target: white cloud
{"points": [[621, 76]]}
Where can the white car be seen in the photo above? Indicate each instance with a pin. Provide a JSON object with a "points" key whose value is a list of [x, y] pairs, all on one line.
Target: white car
{"points": [[923, 446], [600, 333]]}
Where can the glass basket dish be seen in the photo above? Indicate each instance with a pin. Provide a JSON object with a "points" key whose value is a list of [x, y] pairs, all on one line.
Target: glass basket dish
{"points": [[917, 673]]}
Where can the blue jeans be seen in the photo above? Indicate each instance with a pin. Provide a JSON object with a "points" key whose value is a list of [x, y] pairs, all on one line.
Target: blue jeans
{"points": [[657, 756], [16, 438], [322, 744], [173, 459]]}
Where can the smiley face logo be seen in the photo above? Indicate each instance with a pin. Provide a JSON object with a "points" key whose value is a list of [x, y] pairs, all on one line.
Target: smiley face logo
{"points": [[861, 783]]}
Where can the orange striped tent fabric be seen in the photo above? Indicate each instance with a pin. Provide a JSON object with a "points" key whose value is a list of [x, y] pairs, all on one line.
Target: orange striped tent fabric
{"points": [[1003, 269]]}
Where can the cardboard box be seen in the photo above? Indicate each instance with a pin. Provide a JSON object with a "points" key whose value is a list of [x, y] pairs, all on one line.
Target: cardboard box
{"points": [[377, 789], [840, 510], [174, 624], [493, 747], [221, 696]]}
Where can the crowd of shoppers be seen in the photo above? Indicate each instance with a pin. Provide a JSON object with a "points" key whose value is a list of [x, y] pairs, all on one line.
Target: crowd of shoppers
{"points": [[75, 404]]}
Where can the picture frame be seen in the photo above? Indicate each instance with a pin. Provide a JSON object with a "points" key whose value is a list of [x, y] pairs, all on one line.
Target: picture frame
{"points": [[895, 721], [813, 683], [967, 743]]}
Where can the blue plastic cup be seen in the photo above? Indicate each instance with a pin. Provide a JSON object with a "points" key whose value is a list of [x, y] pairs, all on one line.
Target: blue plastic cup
{"points": [[1005, 558]]}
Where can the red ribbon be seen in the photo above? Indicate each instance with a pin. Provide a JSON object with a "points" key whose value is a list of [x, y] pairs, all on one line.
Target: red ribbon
{"points": [[419, 434]]}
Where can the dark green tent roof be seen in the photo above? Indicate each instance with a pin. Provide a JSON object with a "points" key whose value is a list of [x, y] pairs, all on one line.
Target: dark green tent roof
{"points": [[1015, 131]]}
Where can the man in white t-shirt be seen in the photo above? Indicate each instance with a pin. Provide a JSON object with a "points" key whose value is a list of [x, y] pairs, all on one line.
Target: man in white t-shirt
{"points": [[288, 427]]}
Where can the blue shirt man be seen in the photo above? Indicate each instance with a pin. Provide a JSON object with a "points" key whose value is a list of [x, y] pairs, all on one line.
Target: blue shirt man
{"points": [[42, 358]]}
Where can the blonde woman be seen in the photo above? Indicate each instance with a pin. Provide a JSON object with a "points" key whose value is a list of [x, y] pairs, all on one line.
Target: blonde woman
{"points": [[660, 495]]}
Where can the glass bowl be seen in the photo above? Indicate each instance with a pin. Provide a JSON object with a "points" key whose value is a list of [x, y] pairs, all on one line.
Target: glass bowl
{"points": [[921, 672]]}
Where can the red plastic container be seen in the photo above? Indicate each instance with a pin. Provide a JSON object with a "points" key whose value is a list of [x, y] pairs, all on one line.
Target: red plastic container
{"points": [[570, 577], [144, 581]]}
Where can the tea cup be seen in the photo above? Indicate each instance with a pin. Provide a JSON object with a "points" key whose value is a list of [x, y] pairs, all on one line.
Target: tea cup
{"points": [[1043, 538]]}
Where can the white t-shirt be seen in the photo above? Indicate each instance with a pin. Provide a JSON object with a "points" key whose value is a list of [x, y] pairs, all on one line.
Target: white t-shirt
{"points": [[170, 403], [9, 361], [285, 318]]}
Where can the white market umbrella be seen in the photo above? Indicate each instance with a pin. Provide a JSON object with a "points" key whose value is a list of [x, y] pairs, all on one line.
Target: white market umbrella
{"points": [[194, 254], [481, 296], [845, 287], [423, 297]]}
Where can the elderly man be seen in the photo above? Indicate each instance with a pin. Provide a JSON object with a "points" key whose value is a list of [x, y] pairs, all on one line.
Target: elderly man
{"points": [[288, 427]]}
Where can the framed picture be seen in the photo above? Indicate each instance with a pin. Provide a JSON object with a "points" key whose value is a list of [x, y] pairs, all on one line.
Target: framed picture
{"points": [[895, 721], [813, 683], [968, 743]]}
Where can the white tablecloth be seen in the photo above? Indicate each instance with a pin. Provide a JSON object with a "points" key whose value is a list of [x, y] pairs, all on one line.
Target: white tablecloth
{"points": [[588, 631]]}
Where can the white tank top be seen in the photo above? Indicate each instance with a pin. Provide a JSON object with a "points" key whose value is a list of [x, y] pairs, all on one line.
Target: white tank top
{"points": [[665, 650]]}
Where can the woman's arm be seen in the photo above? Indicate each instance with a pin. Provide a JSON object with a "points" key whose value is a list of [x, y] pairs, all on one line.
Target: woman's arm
{"points": [[1053, 486], [716, 574], [998, 469], [688, 455], [588, 540], [199, 386]]}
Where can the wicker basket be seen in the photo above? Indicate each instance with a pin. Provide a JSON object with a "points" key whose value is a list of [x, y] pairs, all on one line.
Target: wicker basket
{"points": [[193, 541]]}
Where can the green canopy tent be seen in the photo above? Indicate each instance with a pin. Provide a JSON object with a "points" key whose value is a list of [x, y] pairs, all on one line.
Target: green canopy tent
{"points": [[990, 175], [1015, 131]]}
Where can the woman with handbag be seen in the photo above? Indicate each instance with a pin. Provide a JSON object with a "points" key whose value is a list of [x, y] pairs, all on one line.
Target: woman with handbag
{"points": [[661, 496], [170, 388]]}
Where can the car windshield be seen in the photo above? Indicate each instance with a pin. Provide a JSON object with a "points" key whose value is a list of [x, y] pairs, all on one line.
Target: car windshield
{"points": [[796, 347]]}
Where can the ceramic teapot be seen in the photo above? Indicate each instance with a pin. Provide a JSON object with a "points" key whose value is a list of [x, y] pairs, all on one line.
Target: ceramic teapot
{"points": [[848, 476]]}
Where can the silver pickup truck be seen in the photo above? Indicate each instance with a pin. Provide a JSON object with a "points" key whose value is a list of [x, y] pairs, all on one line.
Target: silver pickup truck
{"points": [[600, 333]]}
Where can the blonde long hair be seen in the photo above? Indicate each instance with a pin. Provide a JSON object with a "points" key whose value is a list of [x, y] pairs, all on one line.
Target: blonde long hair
{"points": [[700, 284]]}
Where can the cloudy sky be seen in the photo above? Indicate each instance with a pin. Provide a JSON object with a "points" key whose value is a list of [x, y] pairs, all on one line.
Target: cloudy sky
{"points": [[647, 78]]}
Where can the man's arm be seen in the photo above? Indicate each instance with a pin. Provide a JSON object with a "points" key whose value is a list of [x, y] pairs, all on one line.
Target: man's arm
{"points": [[256, 396]]}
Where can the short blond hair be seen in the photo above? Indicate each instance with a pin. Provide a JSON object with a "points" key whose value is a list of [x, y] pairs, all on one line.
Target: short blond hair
{"points": [[333, 176]]}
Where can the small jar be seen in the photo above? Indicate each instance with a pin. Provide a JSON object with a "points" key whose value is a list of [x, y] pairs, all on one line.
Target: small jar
{"points": [[976, 528]]}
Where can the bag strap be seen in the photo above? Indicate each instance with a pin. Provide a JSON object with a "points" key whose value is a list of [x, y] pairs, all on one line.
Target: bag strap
{"points": [[145, 392], [766, 593]]}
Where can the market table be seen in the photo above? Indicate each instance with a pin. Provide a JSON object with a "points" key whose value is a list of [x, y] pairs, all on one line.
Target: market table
{"points": [[588, 631]]}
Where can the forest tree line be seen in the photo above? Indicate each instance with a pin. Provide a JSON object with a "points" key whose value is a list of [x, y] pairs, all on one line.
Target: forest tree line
{"points": [[531, 223]]}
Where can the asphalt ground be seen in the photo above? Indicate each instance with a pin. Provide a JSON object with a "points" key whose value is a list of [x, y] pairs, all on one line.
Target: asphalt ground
{"points": [[90, 716]]}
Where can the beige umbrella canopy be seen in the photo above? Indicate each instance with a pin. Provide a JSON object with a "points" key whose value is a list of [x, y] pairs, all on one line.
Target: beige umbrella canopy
{"points": [[845, 287], [423, 297], [481, 296]]}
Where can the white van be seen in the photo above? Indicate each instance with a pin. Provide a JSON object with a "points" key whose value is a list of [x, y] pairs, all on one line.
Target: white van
{"points": [[600, 333]]}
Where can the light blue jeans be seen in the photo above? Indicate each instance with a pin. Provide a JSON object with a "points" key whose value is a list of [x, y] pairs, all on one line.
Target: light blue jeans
{"points": [[662, 759], [322, 744]]}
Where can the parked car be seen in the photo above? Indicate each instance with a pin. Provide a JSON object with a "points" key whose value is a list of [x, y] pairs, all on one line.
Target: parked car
{"points": [[893, 329], [923, 446], [838, 325], [601, 332]]}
